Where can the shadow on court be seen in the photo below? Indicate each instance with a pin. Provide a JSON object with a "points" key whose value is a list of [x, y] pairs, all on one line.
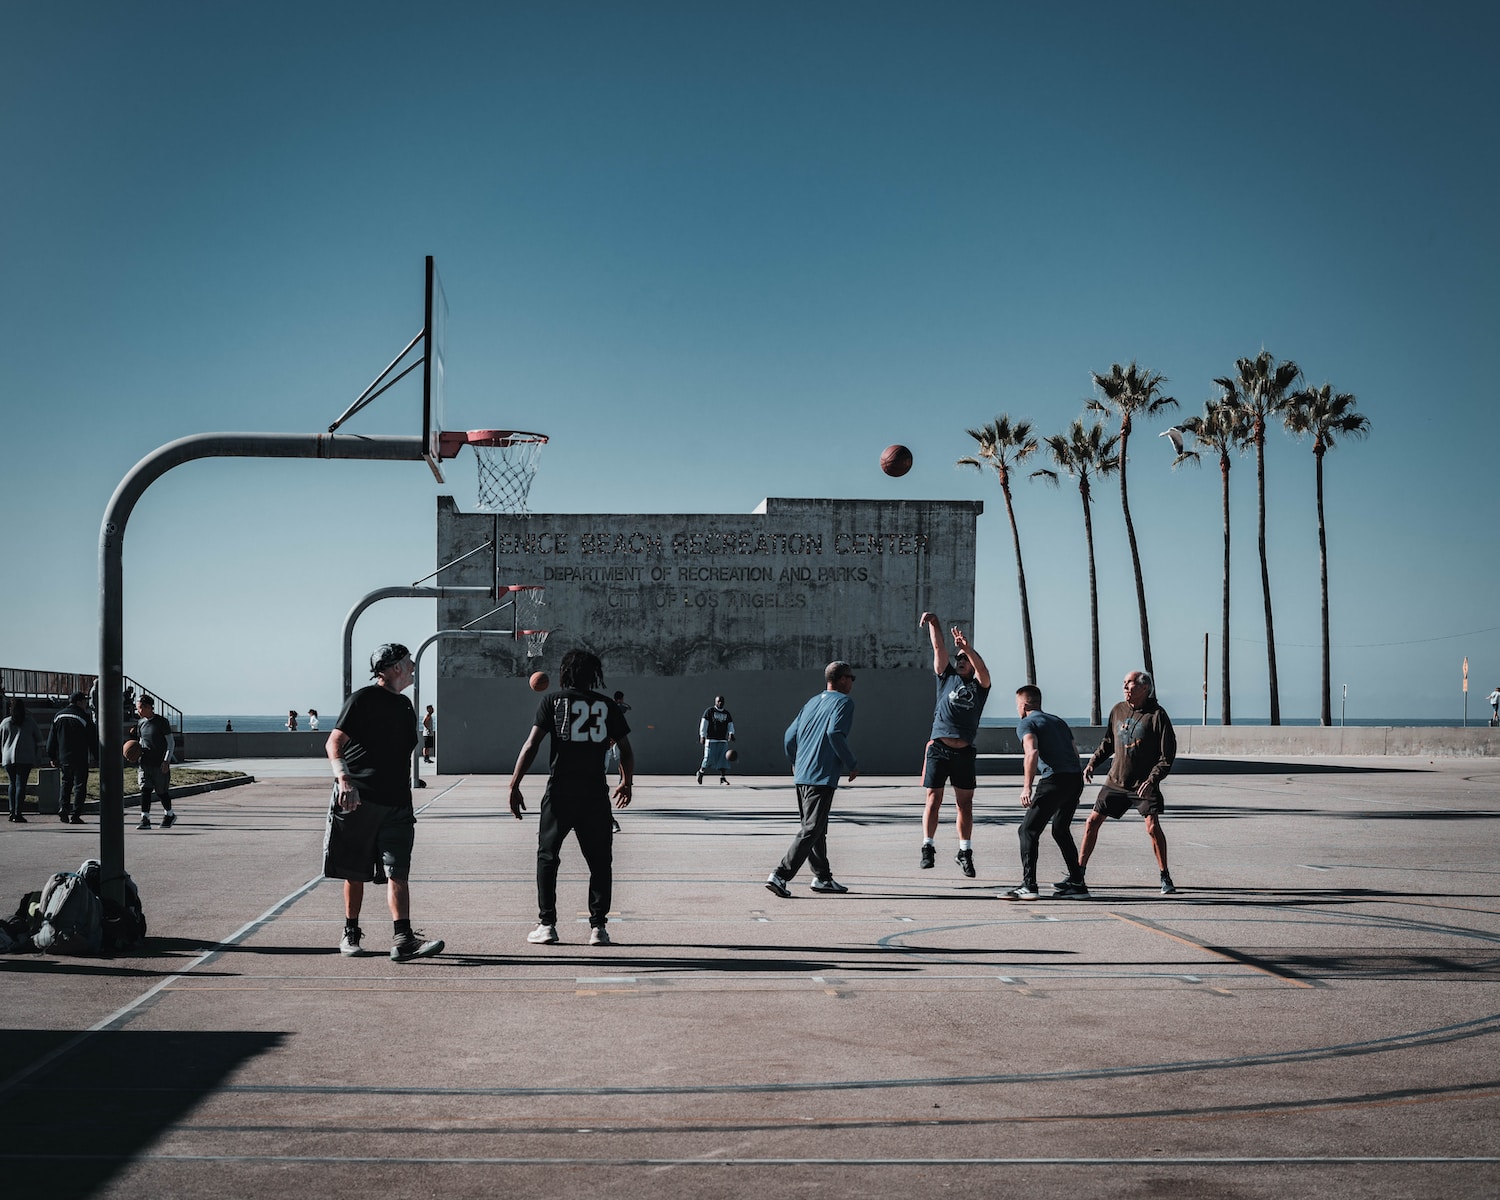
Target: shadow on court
{"points": [[75, 1122]]}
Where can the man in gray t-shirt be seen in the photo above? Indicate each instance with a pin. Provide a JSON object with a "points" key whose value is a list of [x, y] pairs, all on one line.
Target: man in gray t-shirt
{"points": [[963, 686], [1051, 783]]}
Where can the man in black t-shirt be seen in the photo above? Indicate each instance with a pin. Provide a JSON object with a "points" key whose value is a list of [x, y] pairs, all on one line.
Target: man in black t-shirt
{"points": [[370, 816], [715, 732], [582, 723]]}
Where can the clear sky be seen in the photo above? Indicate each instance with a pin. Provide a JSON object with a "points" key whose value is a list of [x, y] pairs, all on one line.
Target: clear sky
{"points": [[727, 251]]}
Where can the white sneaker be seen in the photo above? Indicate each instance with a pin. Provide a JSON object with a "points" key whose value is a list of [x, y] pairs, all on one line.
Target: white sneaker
{"points": [[599, 936], [351, 947], [543, 935]]}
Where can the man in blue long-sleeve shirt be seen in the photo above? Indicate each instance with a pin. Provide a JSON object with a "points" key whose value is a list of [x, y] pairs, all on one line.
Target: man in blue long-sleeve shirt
{"points": [[817, 743]]}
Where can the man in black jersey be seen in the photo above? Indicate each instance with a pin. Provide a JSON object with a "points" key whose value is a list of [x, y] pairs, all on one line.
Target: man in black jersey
{"points": [[715, 732], [370, 818], [582, 722]]}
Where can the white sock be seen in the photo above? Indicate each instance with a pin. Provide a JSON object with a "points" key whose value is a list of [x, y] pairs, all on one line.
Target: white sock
{"points": [[926, 841], [965, 844]]}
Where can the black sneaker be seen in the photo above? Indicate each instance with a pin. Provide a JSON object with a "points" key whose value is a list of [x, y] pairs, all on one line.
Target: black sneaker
{"points": [[700, 778], [169, 818], [145, 822], [1068, 890], [410, 945], [965, 860], [929, 855], [1071, 882], [1167, 886]]}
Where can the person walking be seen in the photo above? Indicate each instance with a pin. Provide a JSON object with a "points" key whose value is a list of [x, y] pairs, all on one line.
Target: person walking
{"points": [[1494, 699], [312, 719], [1051, 783], [582, 723], [817, 744], [153, 774], [429, 734], [1140, 739], [291, 720], [963, 685], [371, 822], [20, 751], [72, 742], [715, 732]]}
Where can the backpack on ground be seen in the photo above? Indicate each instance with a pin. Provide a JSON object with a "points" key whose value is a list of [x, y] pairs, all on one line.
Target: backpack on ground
{"points": [[72, 918], [124, 925]]}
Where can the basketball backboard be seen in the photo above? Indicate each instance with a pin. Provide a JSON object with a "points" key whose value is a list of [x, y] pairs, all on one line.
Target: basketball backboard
{"points": [[434, 333]]}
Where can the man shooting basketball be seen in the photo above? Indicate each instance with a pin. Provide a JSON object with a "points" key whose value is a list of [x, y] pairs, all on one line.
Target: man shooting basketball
{"points": [[963, 686]]}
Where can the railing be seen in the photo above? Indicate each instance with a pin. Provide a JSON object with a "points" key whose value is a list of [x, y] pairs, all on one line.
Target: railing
{"points": [[51, 689]]}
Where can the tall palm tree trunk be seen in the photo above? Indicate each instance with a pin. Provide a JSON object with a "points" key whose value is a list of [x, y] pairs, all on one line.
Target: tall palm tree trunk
{"points": [[1224, 713], [1095, 712], [1265, 578], [1015, 537], [1327, 714], [1135, 557]]}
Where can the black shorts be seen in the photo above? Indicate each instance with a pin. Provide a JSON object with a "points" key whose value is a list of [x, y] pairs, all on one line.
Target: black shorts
{"points": [[944, 764], [1114, 802], [356, 840]]}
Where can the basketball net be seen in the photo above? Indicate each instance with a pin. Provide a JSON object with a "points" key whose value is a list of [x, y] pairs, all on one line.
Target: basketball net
{"points": [[531, 602], [535, 639], [507, 465]]}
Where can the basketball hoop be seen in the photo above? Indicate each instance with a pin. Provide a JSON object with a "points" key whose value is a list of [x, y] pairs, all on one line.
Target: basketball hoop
{"points": [[530, 600], [507, 465], [535, 639]]}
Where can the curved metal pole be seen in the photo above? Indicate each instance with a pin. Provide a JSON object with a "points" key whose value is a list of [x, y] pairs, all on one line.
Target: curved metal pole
{"points": [[111, 591], [395, 593], [416, 686]]}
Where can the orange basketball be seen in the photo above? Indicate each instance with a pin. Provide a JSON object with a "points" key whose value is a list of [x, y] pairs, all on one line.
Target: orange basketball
{"points": [[896, 460], [132, 751], [539, 681]]}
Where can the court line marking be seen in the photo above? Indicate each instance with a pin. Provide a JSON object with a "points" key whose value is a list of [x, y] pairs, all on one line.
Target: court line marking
{"points": [[121, 1015], [1233, 956], [330, 1160]]}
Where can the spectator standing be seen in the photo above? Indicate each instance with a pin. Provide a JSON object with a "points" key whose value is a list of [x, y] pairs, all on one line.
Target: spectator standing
{"points": [[73, 741], [312, 719], [715, 732], [20, 751], [429, 734]]}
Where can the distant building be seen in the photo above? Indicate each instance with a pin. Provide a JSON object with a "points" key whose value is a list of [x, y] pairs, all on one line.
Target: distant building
{"points": [[683, 607]]}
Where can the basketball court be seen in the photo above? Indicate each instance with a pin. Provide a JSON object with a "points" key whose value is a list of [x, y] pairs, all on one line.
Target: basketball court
{"points": [[1317, 1009]]}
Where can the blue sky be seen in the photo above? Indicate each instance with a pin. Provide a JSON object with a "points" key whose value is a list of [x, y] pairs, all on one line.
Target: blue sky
{"points": [[727, 251]]}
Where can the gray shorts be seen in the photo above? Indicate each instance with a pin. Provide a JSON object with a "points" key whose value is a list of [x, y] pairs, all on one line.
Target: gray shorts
{"points": [[355, 841], [714, 753]]}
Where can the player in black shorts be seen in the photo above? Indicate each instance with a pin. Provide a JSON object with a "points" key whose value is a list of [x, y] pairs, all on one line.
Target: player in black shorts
{"points": [[370, 818], [582, 723], [963, 686], [1140, 738]]}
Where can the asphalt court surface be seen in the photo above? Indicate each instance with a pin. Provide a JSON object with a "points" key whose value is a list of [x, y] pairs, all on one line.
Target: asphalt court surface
{"points": [[1318, 1006]]}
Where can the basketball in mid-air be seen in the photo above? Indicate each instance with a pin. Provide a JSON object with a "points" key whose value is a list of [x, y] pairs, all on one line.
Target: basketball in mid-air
{"points": [[896, 460], [539, 681], [731, 756]]}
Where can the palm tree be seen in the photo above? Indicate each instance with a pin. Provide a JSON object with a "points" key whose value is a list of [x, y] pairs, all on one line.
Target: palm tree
{"points": [[1081, 454], [1326, 415], [1005, 444], [1260, 387], [1221, 428], [1128, 391]]}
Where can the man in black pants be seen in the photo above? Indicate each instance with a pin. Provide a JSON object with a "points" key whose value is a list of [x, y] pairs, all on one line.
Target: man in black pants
{"points": [[74, 740], [581, 723], [1051, 783]]}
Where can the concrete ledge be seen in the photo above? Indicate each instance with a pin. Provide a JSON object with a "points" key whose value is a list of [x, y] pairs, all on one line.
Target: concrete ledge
{"points": [[1297, 741]]}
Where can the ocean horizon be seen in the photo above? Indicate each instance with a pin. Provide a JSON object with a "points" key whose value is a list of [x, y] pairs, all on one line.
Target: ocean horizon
{"points": [[276, 723]]}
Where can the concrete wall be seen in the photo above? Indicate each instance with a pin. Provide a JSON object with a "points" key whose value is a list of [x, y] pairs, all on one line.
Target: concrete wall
{"points": [[681, 607], [302, 744], [1290, 741]]}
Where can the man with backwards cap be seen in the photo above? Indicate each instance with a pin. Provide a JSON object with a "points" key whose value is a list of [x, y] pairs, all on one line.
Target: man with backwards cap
{"points": [[370, 818], [73, 741]]}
